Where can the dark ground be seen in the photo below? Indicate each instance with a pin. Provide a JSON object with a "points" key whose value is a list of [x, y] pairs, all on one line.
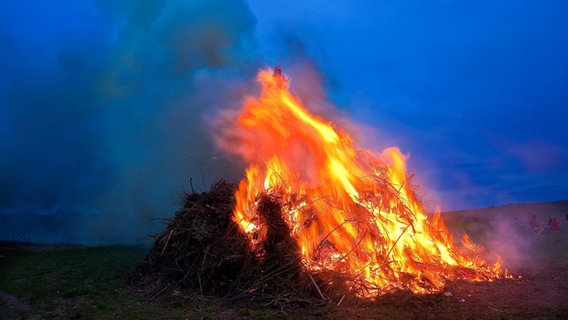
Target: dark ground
{"points": [[73, 282]]}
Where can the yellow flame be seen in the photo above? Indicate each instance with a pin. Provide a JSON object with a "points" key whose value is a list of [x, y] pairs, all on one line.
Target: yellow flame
{"points": [[351, 214]]}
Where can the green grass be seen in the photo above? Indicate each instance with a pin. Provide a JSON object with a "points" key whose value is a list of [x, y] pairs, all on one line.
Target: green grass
{"points": [[77, 283], [89, 283]]}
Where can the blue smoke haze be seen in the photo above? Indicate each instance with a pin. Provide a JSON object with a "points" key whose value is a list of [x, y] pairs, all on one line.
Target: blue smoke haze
{"points": [[474, 92], [104, 104], [103, 107]]}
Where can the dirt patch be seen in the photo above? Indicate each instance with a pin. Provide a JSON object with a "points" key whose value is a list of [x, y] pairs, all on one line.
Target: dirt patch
{"points": [[13, 308]]}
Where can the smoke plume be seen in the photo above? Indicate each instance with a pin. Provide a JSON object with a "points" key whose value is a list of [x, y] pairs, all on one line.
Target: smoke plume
{"points": [[102, 109]]}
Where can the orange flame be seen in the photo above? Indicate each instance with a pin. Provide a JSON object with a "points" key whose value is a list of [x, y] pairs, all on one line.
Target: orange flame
{"points": [[353, 212]]}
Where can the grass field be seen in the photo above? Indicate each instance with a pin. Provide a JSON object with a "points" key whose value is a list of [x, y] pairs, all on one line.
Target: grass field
{"points": [[73, 282]]}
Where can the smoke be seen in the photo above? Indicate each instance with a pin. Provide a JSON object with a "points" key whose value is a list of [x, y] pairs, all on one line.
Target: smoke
{"points": [[509, 232], [102, 109], [306, 81], [510, 241]]}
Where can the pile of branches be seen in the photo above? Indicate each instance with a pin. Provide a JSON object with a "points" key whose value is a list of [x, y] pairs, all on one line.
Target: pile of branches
{"points": [[203, 252]]}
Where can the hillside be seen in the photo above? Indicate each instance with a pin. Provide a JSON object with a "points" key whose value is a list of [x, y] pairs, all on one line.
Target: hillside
{"points": [[506, 230]]}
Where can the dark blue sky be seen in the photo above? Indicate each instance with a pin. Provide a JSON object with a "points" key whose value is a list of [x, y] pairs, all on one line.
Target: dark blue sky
{"points": [[105, 105], [475, 92]]}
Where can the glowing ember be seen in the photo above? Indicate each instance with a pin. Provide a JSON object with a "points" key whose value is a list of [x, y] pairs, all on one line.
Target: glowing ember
{"points": [[351, 211]]}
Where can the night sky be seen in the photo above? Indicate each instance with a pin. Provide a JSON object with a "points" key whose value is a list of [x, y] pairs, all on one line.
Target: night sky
{"points": [[107, 107]]}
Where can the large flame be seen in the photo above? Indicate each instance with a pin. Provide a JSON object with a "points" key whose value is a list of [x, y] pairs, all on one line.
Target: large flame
{"points": [[350, 210]]}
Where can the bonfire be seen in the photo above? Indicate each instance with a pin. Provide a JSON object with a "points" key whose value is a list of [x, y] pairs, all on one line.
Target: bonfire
{"points": [[316, 216]]}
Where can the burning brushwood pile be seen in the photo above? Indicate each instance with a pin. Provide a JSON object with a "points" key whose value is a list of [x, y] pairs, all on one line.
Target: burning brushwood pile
{"points": [[204, 252], [315, 217]]}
